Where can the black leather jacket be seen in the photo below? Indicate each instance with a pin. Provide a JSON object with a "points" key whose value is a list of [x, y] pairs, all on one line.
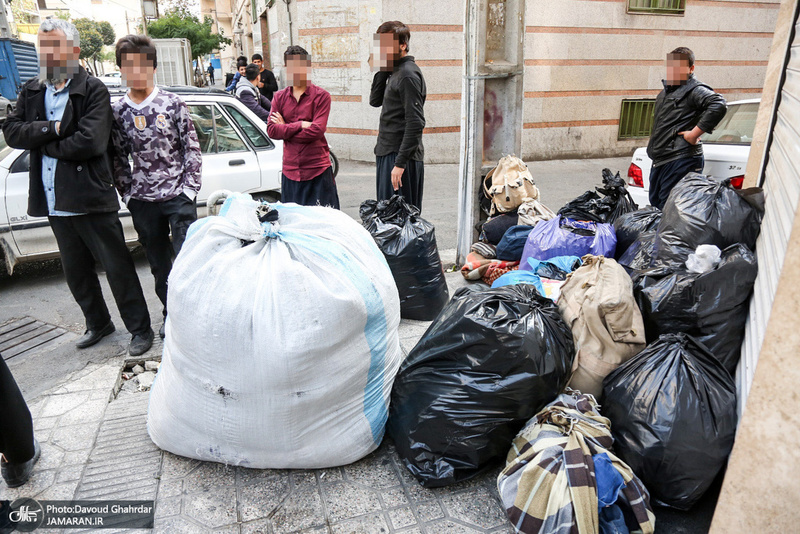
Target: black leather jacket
{"points": [[680, 108], [83, 181]]}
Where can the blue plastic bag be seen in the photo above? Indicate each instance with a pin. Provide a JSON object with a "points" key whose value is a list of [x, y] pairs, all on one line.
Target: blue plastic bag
{"points": [[513, 243], [540, 269], [564, 237]]}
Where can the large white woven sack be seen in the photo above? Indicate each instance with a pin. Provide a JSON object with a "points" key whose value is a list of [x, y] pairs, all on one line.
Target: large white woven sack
{"points": [[281, 343]]}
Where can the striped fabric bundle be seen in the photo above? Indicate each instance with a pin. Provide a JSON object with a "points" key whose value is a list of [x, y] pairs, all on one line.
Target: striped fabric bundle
{"points": [[549, 484]]}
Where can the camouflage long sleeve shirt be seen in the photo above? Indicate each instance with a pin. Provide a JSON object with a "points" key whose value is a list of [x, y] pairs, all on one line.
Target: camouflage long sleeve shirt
{"points": [[160, 138]]}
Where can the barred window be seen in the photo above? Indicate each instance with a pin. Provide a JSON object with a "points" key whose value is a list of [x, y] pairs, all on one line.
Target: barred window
{"points": [[636, 118], [661, 7]]}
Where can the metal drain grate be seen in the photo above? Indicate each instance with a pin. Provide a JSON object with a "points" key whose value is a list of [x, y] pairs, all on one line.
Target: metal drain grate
{"points": [[19, 336]]}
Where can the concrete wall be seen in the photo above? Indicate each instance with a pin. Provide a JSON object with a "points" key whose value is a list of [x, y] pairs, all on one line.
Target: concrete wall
{"points": [[582, 58]]}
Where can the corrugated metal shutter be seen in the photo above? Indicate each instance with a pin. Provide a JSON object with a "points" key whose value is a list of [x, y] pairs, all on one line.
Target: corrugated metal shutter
{"points": [[781, 182], [27, 61]]}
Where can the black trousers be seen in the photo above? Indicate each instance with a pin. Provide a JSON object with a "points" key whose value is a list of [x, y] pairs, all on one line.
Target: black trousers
{"points": [[319, 191], [153, 222], [664, 177], [16, 425], [413, 179], [81, 239]]}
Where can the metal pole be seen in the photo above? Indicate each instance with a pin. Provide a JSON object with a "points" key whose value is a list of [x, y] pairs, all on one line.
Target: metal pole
{"points": [[144, 18]]}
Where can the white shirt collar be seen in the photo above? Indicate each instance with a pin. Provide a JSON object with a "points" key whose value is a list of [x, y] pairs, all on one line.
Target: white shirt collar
{"points": [[144, 103]]}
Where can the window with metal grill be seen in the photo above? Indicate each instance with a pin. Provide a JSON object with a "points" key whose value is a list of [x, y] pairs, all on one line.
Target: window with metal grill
{"points": [[658, 7], [636, 118]]}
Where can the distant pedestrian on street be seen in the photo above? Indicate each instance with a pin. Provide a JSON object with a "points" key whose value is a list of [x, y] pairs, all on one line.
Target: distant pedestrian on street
{"points": [[247, 92], [685, 109], [210, 71], [399, 88], [65, 121], [153, 127], [268, 82], [300, 117], [241, 64], [19, 450]]}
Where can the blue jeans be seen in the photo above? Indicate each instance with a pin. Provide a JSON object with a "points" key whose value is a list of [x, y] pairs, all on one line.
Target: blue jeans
{"points": [[664, 177]]}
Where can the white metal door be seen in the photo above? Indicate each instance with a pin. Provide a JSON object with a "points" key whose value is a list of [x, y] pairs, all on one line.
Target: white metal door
{"points": [[781, 182]]}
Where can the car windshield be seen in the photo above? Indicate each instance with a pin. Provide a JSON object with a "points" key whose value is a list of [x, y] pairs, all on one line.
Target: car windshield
{"points": [[736, 127], [5, 150]]}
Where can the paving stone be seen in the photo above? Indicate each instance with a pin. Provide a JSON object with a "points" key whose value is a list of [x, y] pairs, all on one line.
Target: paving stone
{"points": [[401, 517], [170, 488], [43, 423], [261, 526], [64, 491], [327, 476], [88, 412], [51, 456], [168, 507], [346, 500], [151, 365], [247, 475], [477, 507], [412, 530], [375, 471], [214, 508], [39, 482], [76, 457], [69, 474], [394, 497], [450, 527], [146, 379], [178, 525], [209, 475], [174, 466], [300, 511], [73, 438], [56, 405], [260, 499], [429, 511], [100, 378], [138, 369], [370, 524]]}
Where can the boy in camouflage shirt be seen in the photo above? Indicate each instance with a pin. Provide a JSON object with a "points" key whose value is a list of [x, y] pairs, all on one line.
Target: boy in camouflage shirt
{"points": [[153, 126]]}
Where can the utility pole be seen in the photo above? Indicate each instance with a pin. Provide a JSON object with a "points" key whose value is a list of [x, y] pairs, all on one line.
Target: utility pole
{"points": [[491, 102], [5, 27], [144, 18]]}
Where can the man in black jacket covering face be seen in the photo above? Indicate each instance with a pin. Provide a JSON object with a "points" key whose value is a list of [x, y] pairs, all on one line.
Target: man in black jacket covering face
{"points": [[685, 109], [399, 89], [64, 118]]}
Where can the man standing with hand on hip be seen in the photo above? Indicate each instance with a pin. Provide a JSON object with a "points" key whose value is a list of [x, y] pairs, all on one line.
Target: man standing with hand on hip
{"points": [[399, 89], [64, 119], [153, 127], [685, 109]]}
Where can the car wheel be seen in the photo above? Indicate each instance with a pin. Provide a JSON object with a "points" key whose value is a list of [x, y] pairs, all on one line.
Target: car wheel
{"points": [[334, 164], [267, 196]]}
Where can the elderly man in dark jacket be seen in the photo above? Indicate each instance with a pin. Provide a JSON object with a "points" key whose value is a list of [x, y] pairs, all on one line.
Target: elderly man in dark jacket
{"points": [[685, 109], [65, 121]]}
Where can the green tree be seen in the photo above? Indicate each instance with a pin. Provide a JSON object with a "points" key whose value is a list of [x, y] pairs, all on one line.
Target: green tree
{"points": [[106, 31], [179, 22], [91, 40]]}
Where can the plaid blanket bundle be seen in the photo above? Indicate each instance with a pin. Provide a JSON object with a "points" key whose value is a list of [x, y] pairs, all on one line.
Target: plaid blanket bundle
{"points": [[549, 483]]}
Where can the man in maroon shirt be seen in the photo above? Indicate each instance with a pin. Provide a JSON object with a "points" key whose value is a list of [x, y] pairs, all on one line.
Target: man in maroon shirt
{"points": [[299, 117]]}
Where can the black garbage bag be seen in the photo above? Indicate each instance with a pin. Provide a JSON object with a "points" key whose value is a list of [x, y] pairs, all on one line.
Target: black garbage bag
{"points": [[640, 254], [409, 244], [631, 225], [712, 306], [590, 206], [673, 417], [491, 360], [703, 210]]}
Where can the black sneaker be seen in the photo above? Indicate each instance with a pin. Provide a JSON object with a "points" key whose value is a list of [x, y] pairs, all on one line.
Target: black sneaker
{"points": [[91, 337], [162, 332], [141, 343], [16, 475]]}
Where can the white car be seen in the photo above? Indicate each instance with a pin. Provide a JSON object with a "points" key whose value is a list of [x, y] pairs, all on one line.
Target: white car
{"points": [[725, 150], [237, 156], [6, 107], [111, 79]]}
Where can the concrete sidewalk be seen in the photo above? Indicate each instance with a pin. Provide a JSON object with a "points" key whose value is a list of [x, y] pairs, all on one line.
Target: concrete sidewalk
{"points": [[95, 446]]}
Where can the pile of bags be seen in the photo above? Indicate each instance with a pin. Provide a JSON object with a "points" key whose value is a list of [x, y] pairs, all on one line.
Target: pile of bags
{"points": [[409, 244], [487, 364], [282, 340]]}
